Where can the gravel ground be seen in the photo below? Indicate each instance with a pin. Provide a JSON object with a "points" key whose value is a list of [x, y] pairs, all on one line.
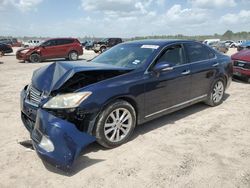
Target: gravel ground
{"points": [[198, 146]]}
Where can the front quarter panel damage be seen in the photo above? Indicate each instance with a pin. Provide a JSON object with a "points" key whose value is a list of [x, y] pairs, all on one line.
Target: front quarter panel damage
{"points": [[68, 141]]}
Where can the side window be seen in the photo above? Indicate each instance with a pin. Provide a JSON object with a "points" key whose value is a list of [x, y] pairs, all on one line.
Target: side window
{"points": [[64, 41], [197, 52], [50, 43], [211, 55], [173, 55]]}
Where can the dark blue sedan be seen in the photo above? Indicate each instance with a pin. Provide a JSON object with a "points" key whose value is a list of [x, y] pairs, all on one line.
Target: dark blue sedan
{"points": [[69, 105]]}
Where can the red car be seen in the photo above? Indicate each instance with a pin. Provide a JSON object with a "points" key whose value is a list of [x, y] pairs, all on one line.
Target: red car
{"points": [[241, 64], [69, 48]]}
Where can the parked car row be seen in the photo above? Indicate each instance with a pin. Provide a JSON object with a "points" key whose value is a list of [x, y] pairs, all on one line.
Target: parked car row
{"points": [[220, 46], [244, 45], [227, 43], [13, 42]]}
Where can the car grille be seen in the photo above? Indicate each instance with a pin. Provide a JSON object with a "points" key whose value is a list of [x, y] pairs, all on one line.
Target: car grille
{"points": [[29, 124], [242, 64], [34, 96]]}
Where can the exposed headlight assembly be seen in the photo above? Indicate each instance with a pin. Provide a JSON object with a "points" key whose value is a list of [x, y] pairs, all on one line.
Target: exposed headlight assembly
{"points": [[70, 100]]}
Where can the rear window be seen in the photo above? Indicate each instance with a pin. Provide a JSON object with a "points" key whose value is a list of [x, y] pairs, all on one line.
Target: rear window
{"points": [[198, 52]]}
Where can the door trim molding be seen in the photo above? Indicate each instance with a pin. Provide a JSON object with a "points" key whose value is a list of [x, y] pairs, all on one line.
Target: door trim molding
{"points": [[177, 105]]}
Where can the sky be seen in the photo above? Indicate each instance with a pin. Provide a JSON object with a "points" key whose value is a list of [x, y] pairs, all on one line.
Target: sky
{"points": [[122, 18]]}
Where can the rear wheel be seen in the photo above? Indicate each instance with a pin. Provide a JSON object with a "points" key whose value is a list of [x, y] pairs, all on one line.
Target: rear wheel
{"points": [[215, 96], [115, 124], [35, 58], [73, 56], [1, 54]]}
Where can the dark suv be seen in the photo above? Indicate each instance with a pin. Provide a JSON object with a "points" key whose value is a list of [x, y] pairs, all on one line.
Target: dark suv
{"points": [[69, 48], [106, 43]]}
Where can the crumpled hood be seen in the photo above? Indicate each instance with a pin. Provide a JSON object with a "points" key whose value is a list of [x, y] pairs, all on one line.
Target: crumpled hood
{"points": [[53, 76], [243, 55]]}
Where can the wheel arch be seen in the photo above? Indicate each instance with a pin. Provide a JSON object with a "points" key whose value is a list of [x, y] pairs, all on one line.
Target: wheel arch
{"points": [[128, 99]]}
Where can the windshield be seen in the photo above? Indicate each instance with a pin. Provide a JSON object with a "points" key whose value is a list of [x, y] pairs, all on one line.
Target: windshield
{"points": [[126, 55]]}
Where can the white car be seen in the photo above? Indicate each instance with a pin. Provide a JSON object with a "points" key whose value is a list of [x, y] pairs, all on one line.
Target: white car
{"points": [[31, 43], [209, 42]]}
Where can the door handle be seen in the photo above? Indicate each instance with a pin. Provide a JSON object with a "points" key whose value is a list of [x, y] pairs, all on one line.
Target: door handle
{"points": [[215, 65], [185, 72], [168, 69]]}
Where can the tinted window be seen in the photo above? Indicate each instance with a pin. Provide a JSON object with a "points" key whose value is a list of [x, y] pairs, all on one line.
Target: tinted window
{"points": [[64, 41], [173, 55], [50, 43], [198, 52]]}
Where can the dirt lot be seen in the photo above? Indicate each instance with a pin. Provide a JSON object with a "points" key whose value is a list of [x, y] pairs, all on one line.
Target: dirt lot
{"points": [[196, 147]]}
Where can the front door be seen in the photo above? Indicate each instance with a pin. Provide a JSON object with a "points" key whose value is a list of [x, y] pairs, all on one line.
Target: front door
{"points": [[49, 49], [169, 88]]}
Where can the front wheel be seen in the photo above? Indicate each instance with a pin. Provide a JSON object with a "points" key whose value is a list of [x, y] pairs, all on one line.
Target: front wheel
{"points": [[115, 124], [35, 58], [73, 56], [215, 96]]}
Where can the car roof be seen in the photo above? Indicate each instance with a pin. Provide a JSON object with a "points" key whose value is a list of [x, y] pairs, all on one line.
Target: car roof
{"points": [[62, 38], [159, 42]]}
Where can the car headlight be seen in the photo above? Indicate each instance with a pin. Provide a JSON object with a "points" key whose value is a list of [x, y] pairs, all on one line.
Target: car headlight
{"points": [[70, 100], [24, 51]]}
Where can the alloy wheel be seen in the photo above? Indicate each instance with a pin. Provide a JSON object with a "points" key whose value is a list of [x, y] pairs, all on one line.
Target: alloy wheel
{"points": [[218, 92], [118, 125], [73, 56]]}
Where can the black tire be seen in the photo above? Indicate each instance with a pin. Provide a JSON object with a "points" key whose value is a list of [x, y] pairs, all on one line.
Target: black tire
{"points": [[103, 119], [211, 100], [103, 49], [73, 56], [35, 58]]}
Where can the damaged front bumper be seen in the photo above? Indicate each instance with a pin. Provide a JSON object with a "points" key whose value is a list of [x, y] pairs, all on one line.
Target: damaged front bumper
{"points": [[55, 140]]}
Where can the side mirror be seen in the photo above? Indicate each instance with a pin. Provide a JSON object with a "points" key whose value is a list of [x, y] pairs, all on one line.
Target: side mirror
{"points": [[162, 67]]}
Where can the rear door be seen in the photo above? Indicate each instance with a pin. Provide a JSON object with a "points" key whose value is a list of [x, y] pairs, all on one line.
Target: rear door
{"points": [[63, 47], [203, 63], [168, 89]]}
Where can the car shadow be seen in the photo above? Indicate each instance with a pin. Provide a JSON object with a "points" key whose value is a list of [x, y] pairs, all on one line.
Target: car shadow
{"points": [[81, 163], [240, 80], [84, 162], [168, 119]]}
